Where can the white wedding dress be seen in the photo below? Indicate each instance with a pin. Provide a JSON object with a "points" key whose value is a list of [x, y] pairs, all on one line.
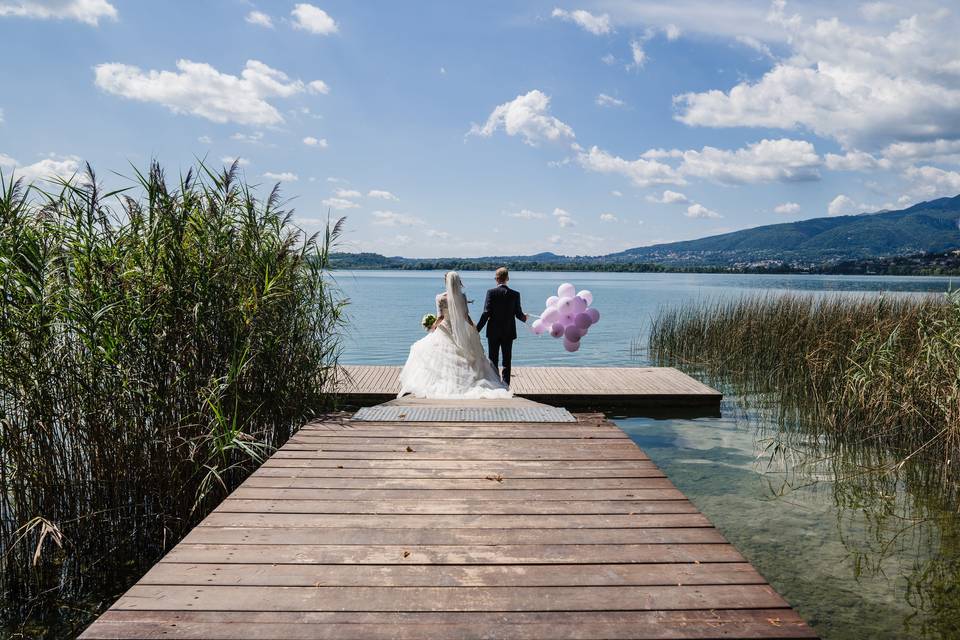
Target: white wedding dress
{"points": [[449, 363]]}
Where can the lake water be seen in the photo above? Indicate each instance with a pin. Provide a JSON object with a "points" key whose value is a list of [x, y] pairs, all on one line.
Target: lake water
{"points": [[387, 306], [857, 561]]}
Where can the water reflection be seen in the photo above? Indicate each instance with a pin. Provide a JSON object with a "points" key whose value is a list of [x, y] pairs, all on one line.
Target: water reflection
{"points": [[862, 546]]}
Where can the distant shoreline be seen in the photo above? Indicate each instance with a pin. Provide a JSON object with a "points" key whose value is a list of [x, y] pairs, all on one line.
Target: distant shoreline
{"points": [[939, 264]]}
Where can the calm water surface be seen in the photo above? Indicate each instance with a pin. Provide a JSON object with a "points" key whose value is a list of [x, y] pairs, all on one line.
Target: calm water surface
{"points": [[857, 559]]}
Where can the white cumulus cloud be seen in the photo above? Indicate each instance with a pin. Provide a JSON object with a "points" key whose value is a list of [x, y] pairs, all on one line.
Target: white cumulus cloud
{"points": [[347, 193], [313, 19], [318, 86], [765, 161], [598, 25], [564, 219], [340, 203], [855, 161], [392, 219], [87, 11], [528, 116], [935, 150], [638, 55], [642, 172], [861, 86], [52, 167], [787, 208], [608, 217], [284, 176], [260, 19], [198, 89], [310, 141], [929, 182], [527, 214], [669, 197], [842, 206], [604, 100], [699, 211], [380, 194]]}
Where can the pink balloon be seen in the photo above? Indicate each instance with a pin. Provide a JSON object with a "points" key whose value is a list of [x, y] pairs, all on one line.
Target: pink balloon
{"points": [[566, 290], [567, 319], [586, 295], [572, 333], [582, 321], [594, 315], [571, 346], [552, 301], [556, 330], [550, 316], [537, 327], [565, 305], [579, 305]]}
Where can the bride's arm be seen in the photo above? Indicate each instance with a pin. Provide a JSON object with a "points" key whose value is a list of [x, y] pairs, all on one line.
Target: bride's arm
{"points": [[466, 310], [436, 323]]}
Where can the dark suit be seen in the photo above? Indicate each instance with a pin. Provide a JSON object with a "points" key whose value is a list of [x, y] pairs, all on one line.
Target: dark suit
{"points": [[499, 310]]}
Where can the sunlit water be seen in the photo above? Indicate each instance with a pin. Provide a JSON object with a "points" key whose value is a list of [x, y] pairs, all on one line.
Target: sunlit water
{"points": [[843, 556]]}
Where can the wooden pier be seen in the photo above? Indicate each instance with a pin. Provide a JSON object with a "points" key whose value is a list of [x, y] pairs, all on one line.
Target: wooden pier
{"points": [[454, 531], [604, 387]]}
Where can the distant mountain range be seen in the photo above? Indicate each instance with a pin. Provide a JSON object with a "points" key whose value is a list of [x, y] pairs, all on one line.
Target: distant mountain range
{"points": [[927, 228]]}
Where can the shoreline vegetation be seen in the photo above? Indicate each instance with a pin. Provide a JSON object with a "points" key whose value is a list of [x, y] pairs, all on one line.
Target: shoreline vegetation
{"points": [[856, 397], [873, 373], [156, 344], [920, 264]]}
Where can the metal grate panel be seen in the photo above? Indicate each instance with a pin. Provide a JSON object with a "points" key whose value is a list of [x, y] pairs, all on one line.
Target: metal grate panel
{"points": [[387, 413]]}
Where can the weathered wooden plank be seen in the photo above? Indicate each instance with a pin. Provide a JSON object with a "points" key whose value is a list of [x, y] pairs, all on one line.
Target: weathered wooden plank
{"points": [[492, 454], [375, 430], [304, 469], [580, 598], [466, 536], [556, 625], [429, 495], [372, 437], [501, 486], [691, 518], [516, 468], [567, 554], [395, 575], [455, 507]]}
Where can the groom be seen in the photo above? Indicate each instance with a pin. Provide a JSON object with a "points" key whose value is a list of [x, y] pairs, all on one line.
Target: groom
{"points": [[499, 310]]}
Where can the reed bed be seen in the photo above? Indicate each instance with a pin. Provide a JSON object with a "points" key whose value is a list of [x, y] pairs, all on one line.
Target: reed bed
{"points": [[155, 345], [881, 373]]}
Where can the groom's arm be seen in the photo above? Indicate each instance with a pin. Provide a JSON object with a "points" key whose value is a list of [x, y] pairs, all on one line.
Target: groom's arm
{"points": [[486, 313], [518, 311]]}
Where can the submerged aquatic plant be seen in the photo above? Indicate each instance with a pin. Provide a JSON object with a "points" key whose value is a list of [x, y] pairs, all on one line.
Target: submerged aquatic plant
{"points": [[156, 343]]}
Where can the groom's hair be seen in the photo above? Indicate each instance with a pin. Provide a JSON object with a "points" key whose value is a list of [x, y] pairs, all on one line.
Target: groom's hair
{"points": [[502, 275]]}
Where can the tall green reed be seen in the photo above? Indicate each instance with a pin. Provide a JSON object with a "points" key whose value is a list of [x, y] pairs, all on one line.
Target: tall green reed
{"points": [[882, 373], [156, 344]]}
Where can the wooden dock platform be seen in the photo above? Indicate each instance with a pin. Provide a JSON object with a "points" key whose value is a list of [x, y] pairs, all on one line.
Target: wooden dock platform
{"points": [[563, 386], [454, 531]]}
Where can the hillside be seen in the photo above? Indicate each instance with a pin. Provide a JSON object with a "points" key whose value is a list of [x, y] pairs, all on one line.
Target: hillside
{"points": [[925, 228], [928, 227]]}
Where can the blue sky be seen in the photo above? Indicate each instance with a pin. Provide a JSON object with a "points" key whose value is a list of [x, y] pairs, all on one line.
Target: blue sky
{"points": [[465, 129]]}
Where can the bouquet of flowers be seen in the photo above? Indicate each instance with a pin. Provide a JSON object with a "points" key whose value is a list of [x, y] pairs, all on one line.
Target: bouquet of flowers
{"points": [[428, 321]]}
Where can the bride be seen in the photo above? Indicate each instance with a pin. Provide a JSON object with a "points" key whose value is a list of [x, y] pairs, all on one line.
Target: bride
{"points": [[449, 362]]}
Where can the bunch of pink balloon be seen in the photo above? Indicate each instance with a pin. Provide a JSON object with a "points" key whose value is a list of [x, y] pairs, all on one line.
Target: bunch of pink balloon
{"points": [[568, 315]]}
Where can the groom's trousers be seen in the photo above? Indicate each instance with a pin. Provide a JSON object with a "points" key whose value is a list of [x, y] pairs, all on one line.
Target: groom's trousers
{"points": [[495, 347]]}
